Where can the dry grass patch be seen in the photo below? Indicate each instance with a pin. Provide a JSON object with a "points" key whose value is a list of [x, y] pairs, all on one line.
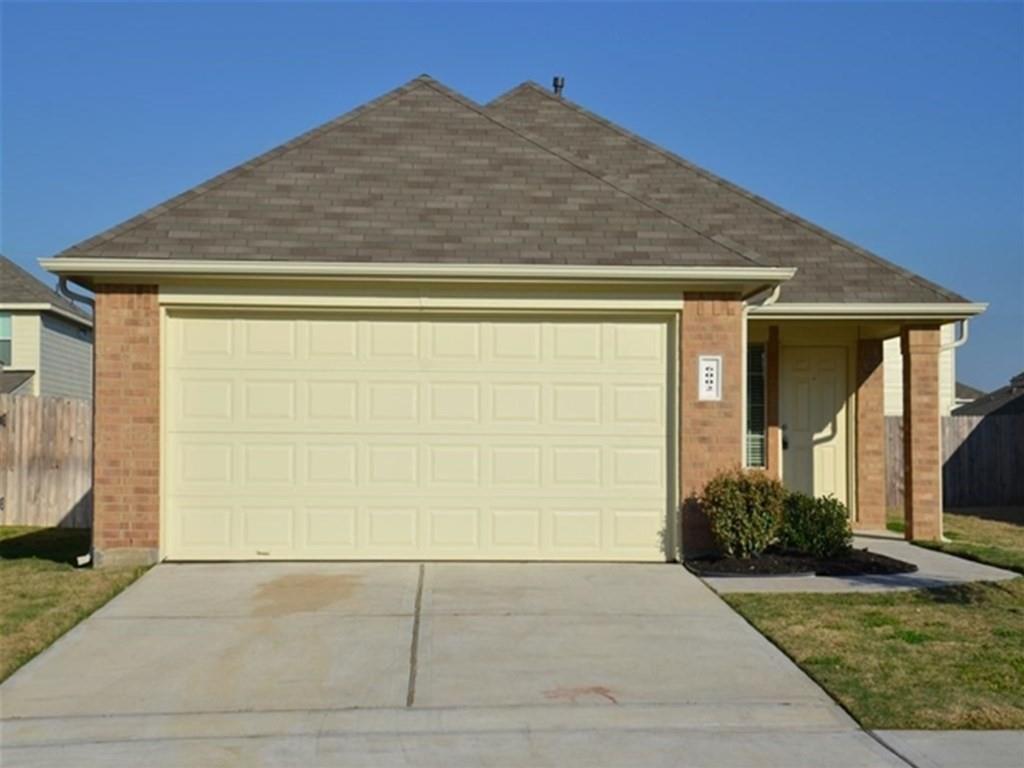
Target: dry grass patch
{"points": [[42, 594], [942, 658], [993, 535], [990, 535]]}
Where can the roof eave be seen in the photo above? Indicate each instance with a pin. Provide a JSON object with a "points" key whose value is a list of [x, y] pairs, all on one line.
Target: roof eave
{"points": [[45, 306], [941, 311], [744, 280]]}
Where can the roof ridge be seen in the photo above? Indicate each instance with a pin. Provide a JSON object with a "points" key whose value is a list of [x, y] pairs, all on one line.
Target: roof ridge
{"points": [[720, 181], [231, 173], [748, 254]]}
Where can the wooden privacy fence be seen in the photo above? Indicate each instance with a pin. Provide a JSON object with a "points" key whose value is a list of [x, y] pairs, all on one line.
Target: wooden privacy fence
{"points": [[983, 461], [45, 461]]}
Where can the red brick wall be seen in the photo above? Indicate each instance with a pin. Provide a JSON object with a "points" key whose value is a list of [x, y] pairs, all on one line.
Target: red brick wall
{"points": [[922, 448], [711, 432], [126, 474], [870, 461]]}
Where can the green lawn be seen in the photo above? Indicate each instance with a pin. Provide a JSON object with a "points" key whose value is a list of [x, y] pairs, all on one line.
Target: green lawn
{"points": [[941, 658], [42, 594], [993, 535], [937, 658]]}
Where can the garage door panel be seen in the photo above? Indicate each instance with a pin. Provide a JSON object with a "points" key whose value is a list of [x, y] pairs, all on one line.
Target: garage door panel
{"points": [[635, 528], [267, 528], [391, 340], [453, 528], [297, 464], [513, 404], [332, 342], [265, 341], [324, 527], [268, 464], [392, 529], [208, 340], [331, 529], [360, 437], [202, 527], [333, 463]]}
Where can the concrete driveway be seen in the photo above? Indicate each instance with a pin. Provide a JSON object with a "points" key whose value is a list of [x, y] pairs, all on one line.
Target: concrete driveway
{"points": [[406, 664]]}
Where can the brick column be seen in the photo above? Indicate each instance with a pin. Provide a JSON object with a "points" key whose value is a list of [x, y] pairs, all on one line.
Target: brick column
{"points": [[773, 430], [126, 465], [711, 436], [921, 438], [870, 466]]}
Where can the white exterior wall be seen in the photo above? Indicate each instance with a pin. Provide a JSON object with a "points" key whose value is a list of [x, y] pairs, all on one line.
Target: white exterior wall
{"points": [[65, 359], [25, 349], [894, 374]]}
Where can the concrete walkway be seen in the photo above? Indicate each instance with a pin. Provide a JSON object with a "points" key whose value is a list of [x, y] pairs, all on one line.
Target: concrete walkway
{"points": [[957, 749], [935, 569], [401, 664]]}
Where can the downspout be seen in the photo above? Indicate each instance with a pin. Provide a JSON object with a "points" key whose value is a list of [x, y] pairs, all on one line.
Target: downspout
{"points": [[64, 290], [965, 326], [773, 296]]}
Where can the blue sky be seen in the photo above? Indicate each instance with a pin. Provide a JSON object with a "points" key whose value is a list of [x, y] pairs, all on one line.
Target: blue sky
{"points": [[898, 126]]}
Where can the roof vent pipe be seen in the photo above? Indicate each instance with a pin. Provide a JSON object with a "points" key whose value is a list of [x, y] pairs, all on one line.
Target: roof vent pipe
{"points": [[558, 85]]}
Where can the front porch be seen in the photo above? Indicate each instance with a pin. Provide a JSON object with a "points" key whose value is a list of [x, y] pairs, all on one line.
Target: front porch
{"points": [[816, 413]]}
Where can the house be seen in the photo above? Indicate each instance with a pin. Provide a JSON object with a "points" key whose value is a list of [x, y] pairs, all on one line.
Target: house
{"points": [[433, 329], [999, 402], [45, 339], [965, 393]]}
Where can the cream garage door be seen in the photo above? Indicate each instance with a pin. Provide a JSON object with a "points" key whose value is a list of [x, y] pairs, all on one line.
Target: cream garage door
{"points": [[416, 437]]}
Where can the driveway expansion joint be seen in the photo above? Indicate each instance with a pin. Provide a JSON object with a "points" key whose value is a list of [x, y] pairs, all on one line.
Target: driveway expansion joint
{"points": [[410, 696]]}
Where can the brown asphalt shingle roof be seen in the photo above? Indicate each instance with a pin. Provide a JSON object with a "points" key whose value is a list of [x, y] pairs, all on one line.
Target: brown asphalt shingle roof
{"points": [[422, 174], [829, 269], [19, 287], [419, 175]]}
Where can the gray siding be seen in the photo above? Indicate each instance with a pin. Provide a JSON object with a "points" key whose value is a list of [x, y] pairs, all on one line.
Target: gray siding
{"points": [[65, 359]]}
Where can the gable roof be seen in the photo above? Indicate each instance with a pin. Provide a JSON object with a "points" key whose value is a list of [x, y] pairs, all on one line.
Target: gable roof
{"points": [[967, 392], [418, 175], [19, 287], [423, 175], [829, 268], [999, 402]]}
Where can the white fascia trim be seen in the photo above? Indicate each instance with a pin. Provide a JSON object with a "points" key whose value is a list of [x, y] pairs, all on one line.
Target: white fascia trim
{"points": [[402, 271], [855, 311], [43, 306]]}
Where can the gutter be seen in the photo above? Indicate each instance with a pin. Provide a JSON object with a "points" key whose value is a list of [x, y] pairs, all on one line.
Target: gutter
{"points": [[130, 267], [948, 311], [45, 306]]}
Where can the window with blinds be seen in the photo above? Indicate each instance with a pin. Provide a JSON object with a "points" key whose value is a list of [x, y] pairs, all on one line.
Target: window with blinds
{"points": [[755, 406]]}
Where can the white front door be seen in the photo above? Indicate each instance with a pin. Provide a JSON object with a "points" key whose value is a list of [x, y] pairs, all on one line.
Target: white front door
{"points": [[813, 417], [409, 436]]}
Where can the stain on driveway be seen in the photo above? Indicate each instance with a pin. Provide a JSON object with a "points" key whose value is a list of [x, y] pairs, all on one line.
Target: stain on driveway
{"points": [[303, 592]]}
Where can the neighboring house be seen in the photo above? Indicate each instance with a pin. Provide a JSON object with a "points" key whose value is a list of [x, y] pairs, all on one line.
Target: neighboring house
{"points": [[965, 394], [431, 329], [45, 339], [1000, 402]]}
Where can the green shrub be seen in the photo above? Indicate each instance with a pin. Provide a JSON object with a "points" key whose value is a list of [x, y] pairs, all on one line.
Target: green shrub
{"points": [[745, 510], [817, 527]]}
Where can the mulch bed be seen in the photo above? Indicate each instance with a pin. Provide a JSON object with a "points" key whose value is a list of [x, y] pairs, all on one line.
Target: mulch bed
{"points": [[858, 562]]}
